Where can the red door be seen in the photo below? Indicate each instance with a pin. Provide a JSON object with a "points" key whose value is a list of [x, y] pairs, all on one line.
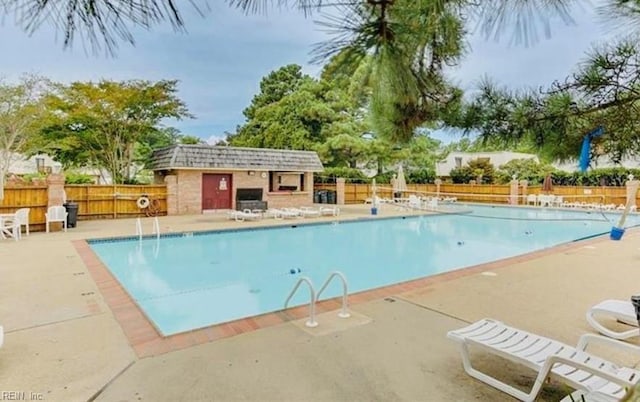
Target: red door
{"points": [[216, 191]]}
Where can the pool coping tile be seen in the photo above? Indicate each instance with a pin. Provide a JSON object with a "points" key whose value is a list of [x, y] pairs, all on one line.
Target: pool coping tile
{"points": [[146, 340]]}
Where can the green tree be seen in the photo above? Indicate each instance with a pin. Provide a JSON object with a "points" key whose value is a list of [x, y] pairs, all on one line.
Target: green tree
{"points": [[275, 86], [101, 124], [344, 150], [21, 113], [305, 113], [408, 41], [523, 169], [604, 91]]}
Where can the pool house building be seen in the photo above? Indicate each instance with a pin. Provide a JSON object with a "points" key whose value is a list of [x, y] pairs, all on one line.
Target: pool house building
{"points": [[202, 178]]}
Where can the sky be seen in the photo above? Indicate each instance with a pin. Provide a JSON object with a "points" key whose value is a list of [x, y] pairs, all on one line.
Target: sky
{"points": [[224, 54]]}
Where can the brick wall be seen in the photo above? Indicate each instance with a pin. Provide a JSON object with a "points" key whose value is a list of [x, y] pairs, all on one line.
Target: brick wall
{"points": [[287, 199], [172, 193], [185, 190], [244, 180], [189, 192], [293, 199]]}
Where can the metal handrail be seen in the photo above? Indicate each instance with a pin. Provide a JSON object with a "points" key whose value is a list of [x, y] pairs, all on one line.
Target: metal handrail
{"points": [[311, 322], [156, 227], [139, 228], [343, 312]]}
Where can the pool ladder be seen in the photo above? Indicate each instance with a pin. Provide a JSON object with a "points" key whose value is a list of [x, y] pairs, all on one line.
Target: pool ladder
{"points": [[156, 228], [311, 322]]}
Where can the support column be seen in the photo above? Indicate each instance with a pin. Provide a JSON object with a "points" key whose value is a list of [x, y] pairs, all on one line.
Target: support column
{"points": [[513, 192], [524, 184], [340, 191], [632, 190], [55, 190], [172, 194], [438, 183]]}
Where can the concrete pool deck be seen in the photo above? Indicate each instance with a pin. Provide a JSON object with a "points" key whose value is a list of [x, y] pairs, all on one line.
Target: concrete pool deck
{"points": [[64, 342]]}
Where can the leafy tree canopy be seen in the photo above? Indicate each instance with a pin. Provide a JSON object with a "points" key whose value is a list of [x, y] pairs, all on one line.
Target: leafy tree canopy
{"points": [[101, 124], [604, 91], [21, 110]]}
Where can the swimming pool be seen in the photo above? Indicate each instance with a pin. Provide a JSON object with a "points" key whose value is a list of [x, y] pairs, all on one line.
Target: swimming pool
{"points": [[195, 280]]}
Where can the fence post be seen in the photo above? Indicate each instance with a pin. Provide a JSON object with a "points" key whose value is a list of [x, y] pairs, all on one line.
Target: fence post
{"points": [[513, 192], [524, 184], [438, 183], [55, 190], [340, 190]]}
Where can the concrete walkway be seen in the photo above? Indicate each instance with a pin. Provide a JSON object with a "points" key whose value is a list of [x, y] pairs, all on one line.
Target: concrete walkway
{"points": [[63, 342]]}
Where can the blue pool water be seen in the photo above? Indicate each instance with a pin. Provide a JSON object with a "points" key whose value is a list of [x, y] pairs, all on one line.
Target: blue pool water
{"points": [[191, 281]]}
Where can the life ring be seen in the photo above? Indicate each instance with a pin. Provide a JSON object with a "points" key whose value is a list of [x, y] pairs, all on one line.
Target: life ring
{"points": [[143, 202]]}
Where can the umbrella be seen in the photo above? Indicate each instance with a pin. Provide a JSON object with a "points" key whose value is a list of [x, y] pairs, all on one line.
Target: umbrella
{"points": [[400, 183], [547, 184]]}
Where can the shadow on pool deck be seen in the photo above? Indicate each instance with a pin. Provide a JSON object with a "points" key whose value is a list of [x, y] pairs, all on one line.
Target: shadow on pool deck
{"points": [[62, 339]]}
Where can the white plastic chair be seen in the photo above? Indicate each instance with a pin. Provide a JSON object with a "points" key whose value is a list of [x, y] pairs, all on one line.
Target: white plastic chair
{"points": [[571, 365], [532, 199], [22, 217], [56, 214], [9, 227], [619, 310]]}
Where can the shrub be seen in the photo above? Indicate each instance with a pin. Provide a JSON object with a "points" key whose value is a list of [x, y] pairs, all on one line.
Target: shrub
{"points": [[461, 175], [31, 178], [421, 176], [78, 178], [524, 169]]}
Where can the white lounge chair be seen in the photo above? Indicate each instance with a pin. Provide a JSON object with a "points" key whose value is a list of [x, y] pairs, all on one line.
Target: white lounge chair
{"points": [[620, 310], [306, 212], [56, 214], [571, 365], [283, 213], [241, 216], [329, 211], [532, 199]]}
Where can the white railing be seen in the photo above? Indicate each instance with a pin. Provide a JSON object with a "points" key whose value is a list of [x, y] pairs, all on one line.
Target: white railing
{"points": [[344, 313], [155, 230], [139, 228], [311, 322], [156, 227]]}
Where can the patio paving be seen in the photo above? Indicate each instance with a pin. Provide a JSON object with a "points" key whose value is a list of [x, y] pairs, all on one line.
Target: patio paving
{"points": [[64, 342]]}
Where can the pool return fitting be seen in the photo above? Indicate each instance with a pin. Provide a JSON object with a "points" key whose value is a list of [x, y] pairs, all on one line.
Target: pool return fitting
{"points": [[311, 322]]}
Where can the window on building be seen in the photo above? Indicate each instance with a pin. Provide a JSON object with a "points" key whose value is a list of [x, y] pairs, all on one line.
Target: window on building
{"points": [[458, 161], [40, 165]]}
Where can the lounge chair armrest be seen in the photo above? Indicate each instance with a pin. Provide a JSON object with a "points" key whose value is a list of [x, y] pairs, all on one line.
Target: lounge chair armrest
{"points": [[605, 375], [590, 339]]}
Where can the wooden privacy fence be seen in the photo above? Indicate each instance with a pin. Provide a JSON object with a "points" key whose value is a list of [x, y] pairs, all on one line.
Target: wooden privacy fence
{"points": [[33, 197], [94, 202], [490, 193], [104, 201]]}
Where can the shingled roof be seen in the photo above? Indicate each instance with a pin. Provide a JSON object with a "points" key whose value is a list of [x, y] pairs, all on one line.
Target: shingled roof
{"points": [[215, 157]]}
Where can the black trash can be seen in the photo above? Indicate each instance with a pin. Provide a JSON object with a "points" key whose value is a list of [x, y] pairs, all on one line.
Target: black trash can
{"points": [[331, 197], [72, 213], [316, 197], [323, 196]]}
